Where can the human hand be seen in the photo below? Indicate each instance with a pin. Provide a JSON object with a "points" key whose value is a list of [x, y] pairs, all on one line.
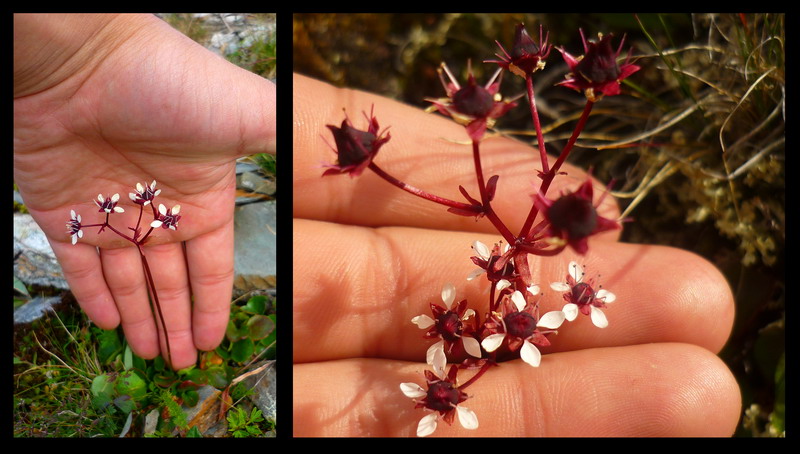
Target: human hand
{"points": [[368, 258], [103, 102]]}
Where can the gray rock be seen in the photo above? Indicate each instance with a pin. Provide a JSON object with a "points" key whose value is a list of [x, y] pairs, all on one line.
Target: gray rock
{"points": [[35, 308], [255, 244], [264, 385], [34, 260]]}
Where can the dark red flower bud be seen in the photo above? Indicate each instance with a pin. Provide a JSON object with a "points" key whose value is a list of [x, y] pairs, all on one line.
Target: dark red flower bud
{"points": [[473, 106], [597, 73], [573, 217], [355, 148], [526, 57]]}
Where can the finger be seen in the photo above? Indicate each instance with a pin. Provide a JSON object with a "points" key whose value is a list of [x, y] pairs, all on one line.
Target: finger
{"points": [[422, 152], [210, 259], [83, 271], [123, 272], [168, 268], [654, 390], [361, 287]]}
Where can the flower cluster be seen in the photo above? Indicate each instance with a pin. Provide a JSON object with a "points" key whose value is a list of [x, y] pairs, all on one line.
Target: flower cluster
{"points": [[144, 196], [511, 325], [162, 217]]}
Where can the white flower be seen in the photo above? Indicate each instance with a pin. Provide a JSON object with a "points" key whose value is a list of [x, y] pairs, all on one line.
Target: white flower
{"points": [[523, 329], [581, 297], [74, 226], [167, 219], [471, 345], [108, 204], [144, 194], [445, 386]]}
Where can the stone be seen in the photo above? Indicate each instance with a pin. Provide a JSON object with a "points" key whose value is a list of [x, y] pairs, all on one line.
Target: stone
{"points": [[34, 260]]}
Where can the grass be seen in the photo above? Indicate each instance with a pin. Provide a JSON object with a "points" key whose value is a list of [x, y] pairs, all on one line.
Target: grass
{"points": [[696, 145], [72, 379]]}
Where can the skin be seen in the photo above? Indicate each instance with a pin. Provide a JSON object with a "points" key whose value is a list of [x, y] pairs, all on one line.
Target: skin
{"points": [[369, 257], [102, 102]]}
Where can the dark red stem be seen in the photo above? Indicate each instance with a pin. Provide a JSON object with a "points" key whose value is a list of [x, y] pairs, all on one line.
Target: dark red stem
{"points": [[420, 193], [547, 177], [536, 124]]}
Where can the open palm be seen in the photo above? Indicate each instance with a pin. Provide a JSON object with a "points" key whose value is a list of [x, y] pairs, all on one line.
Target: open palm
{"points": [[155, 107]]}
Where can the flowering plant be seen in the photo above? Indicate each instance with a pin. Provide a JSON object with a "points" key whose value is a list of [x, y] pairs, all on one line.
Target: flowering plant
{"points": [[162, 217], [509, 326]]}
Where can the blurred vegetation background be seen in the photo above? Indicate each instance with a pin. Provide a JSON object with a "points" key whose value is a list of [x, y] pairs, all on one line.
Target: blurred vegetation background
{"points": [[695, 144]]}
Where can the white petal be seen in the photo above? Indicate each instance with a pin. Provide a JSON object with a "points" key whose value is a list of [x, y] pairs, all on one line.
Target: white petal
{"points": [[156, 223], [172, 227], [176, 209], [530, 354], [475, 273], [533, 289], [575, 271], [153, 185], [72, 214], [472, 346], [570, 311], [139, 187], [147, 202], [599, 318], [423, 321], [518, 300], [551, 320], [74, 239], [427, 425], [606, 296], [467, 314], [482, 250], [560, 286], [467, 418], [503, 284], [162, 209], [119, 209], [448, 294], [439, 361], [493, 341], [100, 198], [115, 197], [412, 390], [431, 355], [79, 219], [80, 233], [132, 196], [157, 192]]}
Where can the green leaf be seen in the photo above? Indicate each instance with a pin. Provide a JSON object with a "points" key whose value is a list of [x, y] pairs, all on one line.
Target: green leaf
{"points": [[190, 397], [125, 403], [233, 333], [129, 383], [242, 350], [102, 391], [259, 327], [256, 305], [194, 432], [20, 287], [127, 358], [110, 345], [217, 377], [198, 376]]}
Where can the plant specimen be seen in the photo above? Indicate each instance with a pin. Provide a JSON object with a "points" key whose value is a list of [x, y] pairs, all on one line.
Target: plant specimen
{"points": [[509, 325], [162, 218]]}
